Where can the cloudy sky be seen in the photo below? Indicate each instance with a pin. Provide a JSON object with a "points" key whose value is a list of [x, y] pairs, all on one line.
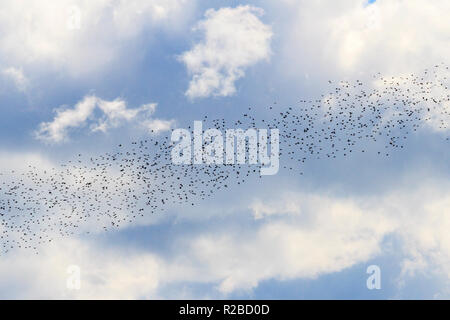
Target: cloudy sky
{"points": [[80, 76]]}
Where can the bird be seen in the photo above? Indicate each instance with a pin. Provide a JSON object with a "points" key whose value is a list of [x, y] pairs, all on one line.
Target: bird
{"points": [[138, 179]]}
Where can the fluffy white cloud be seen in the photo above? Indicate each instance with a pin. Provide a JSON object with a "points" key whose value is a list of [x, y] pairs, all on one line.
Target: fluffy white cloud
{"points": [[116, 111], [81, 36], [297, 235], [157, 125], [56, 131], [234, 39], [352, 38], [114, 114]]}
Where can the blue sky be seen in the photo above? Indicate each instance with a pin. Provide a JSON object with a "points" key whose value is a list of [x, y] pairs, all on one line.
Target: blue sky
{"points": [[319, 231]]}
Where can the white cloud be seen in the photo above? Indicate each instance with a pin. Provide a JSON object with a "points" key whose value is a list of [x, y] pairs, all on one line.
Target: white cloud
{"points": [[114, 114], [56, 131], [234, 39], [82, 36], [303, 235], [350, 38], [157, 125], [233, 261], [308, 235], [116, 111]]}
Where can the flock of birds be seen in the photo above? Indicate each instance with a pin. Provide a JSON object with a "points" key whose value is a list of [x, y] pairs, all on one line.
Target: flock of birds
{"points": [[137, 180]]}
